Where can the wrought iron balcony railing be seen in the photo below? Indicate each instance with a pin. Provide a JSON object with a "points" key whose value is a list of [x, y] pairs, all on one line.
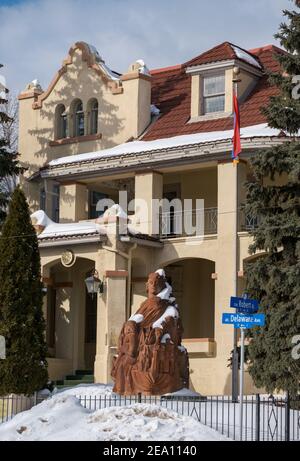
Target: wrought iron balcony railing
{"points": [[173, 223], [246, 222], [179, 223]]}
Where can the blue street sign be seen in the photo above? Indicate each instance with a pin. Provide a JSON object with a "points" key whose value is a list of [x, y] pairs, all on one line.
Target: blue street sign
{"points": [[244, 305], [244, 320], [246, 310]]}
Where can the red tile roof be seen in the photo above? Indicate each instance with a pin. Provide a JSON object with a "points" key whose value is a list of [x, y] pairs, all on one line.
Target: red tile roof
{"points": [[171, 93], [218, 53]]}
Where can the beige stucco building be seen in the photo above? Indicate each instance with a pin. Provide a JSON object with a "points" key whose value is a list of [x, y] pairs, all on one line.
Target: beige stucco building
{"points": [[164, 133]]}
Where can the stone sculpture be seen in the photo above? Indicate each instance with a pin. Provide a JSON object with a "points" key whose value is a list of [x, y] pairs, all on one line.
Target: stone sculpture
{"points": [[151, 359]]}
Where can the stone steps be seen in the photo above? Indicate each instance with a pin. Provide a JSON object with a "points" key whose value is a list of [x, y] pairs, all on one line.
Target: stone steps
{"points": [[80, 377]]}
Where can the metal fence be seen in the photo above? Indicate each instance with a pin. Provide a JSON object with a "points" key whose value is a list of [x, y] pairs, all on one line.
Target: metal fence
{"points": [[264, 418], [14, 404]]}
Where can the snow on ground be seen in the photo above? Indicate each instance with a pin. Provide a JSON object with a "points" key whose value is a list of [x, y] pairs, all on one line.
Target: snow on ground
{"points": [[184, 392], [88, 390], [63, 418]]}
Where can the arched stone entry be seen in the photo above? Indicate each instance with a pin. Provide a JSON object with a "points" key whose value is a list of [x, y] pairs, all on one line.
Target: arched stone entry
{"points": [[90, 328], [70, 316], [195, 293]]}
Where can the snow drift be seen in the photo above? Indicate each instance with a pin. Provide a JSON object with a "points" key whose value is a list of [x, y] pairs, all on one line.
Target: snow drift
{"points": [[63, 418]]}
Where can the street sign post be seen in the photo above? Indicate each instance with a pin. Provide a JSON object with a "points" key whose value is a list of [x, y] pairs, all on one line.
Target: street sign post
{"points": [[245, 317], [244, 304], [2, 348], [240, 320]]}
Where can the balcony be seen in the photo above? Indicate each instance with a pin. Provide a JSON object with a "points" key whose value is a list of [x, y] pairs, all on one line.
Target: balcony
{"points": [[246, 222], [174, 223]]}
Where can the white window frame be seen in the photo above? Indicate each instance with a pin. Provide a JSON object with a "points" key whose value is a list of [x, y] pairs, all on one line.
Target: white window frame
{"points": [[204, 97]]}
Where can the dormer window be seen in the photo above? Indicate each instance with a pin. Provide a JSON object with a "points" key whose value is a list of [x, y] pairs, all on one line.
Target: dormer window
{"points": [[213, 93], [212, 81]]}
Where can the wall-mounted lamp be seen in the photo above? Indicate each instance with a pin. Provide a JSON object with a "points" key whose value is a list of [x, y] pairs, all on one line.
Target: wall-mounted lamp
{"points": [[93, 283]]}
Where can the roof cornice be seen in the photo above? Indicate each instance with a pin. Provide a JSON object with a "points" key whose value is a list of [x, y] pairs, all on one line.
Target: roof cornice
{"points": [[210, 150], [74, 240]]}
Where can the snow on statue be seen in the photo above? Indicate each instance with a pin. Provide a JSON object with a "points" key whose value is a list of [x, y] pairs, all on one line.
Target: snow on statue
{"points": [[151, 359]]}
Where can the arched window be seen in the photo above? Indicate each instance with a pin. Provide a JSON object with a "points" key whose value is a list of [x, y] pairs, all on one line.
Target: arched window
{"points": [[79, 119], [61, 121], [93, 116]]}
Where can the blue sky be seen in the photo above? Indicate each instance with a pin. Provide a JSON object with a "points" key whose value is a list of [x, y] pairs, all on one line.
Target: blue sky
{"points": [[35, 35]]}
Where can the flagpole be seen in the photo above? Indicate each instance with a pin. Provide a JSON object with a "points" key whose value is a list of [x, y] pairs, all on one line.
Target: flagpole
{"points": [[235, 356]]}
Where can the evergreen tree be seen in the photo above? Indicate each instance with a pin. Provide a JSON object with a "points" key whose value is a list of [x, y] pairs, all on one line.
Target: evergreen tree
{"points": [[21, 318], [9, 165], [273, 199]]}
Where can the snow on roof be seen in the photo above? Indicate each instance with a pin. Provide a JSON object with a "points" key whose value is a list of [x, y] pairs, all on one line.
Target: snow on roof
{"points": [[113, 75], [135, 147], [67, 229], [52, 229], [143, 69], [101, 63], [154, 110], [95, 52], [244, 56]]}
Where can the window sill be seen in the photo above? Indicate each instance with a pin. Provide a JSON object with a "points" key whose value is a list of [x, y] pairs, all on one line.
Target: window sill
{"points": [[200, 347], [75, 139], [211, 116]]}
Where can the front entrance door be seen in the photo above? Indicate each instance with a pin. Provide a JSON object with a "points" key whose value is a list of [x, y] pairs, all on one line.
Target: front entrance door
{"points": [[90, 329]]}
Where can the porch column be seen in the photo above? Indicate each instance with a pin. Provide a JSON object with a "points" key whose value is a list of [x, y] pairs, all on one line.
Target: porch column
{"points": [[148, 186], [73, 202], [225, 267], [111, 307], [114, 310]]}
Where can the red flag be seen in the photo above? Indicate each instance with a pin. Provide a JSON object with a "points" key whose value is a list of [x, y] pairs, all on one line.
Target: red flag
{"points": [[236, 148]]}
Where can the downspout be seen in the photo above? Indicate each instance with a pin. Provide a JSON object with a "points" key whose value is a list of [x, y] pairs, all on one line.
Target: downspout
{"points": [[127, 256]]}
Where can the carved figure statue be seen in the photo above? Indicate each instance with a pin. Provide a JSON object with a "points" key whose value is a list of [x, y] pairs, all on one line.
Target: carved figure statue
{"points": [[151, 359]]}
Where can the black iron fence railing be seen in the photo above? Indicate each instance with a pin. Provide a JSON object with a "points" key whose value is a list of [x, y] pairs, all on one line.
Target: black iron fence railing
{"points": [[266, 418]]}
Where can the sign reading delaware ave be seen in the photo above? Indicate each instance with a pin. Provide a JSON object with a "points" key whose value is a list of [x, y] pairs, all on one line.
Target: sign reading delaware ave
{"points": [[244, 320], [245, 305]]}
